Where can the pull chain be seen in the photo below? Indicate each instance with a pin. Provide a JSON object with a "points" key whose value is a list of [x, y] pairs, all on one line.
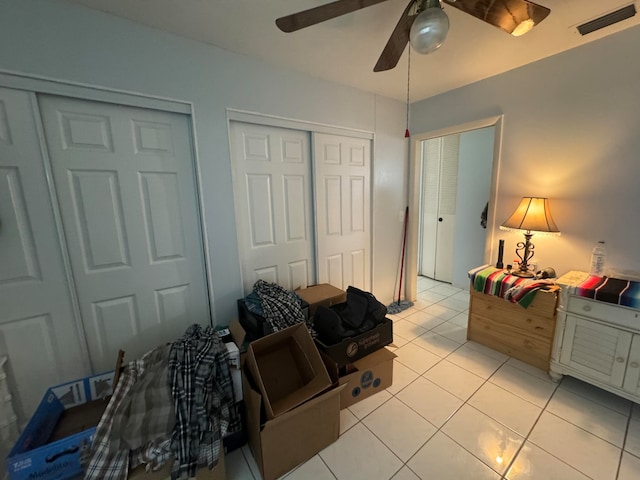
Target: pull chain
{"points": [[407, 134]]}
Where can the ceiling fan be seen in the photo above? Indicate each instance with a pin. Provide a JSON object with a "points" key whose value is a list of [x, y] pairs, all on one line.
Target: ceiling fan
{"points": [[424, 24]]}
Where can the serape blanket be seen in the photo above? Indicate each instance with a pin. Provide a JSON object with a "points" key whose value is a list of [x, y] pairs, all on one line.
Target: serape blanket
{"points": [[611, 290], [496, 281]]}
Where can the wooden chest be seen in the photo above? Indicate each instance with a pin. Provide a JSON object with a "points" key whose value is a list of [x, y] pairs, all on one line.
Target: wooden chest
{"points": [[523, 333]]}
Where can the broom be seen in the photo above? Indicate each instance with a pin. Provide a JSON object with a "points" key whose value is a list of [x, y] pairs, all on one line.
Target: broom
{"points": [[399, 306]]}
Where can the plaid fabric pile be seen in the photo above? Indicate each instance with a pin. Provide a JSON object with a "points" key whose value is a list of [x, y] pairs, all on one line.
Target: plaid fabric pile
{"points": [[203, 392], [281, 307], [174, 402]]}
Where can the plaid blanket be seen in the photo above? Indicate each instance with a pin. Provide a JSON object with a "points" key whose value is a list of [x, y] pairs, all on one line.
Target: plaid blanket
{"points": [[611, 290], [494, 281]]}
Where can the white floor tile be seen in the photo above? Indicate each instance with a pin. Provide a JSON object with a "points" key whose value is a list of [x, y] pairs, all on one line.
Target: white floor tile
{"points": [[596, 394], [530, 369], [592, 417], [347, 420], [432, 402], [422, 303], [462, 319], [441, 311], [454, 379], [424, 319], [406, 329], [452, 332], [533, 463], [253, 467], [446, 290], [454, 304], [360, 455], [505, 407], [236, 465], [416, 358], [441, 346], [629, 467], [398, 342], [582, 450], [490, 441], [405, 474], [400, 428], [313, 469], [632, 444], [443, 459], [369, 404], [431, 297], [524, 385], [402, 376], [476, 362]]}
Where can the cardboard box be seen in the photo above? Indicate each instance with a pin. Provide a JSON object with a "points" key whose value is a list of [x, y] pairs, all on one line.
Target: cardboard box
{"points": [[256, 326], [281, 444], [218, 472], [56, 441], [321, 294], [287, 368], [355, 348], [364, 377]]}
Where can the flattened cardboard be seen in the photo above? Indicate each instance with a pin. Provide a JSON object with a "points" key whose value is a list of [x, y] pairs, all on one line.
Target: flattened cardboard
{"points": [[354, 348], [372, 374], [287, 369], [321, 294], [281, 444], [218, 473]]}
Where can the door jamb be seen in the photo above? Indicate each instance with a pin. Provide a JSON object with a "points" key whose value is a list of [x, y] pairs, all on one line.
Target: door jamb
{"points": [[411, 282]]}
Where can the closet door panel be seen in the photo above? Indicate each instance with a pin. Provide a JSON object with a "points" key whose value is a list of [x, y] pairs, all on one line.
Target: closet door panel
{"points": [[38, 329]]}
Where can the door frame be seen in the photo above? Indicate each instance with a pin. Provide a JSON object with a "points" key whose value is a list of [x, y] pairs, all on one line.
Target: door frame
{"points": [[236, 115], [48, 85], [497, 121]]}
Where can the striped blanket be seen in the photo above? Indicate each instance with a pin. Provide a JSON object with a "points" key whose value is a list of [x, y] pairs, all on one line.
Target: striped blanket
{"points": [[494, 281], [611, 290]]}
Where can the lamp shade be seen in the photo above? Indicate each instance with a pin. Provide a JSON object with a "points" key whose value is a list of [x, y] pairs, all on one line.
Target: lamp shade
{"points": [[532, 215]]}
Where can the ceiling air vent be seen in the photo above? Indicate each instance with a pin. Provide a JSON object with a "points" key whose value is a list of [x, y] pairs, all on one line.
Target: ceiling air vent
{"points": [[608, 19]]}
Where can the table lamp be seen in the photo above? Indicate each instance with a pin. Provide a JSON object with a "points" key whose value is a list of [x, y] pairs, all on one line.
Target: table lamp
{"points": [[532, 216]]}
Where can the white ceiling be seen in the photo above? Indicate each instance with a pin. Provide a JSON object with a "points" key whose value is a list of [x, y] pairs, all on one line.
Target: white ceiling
{"points": [[345, 49]]}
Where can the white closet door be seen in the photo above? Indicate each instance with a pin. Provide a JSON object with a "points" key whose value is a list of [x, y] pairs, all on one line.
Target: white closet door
{"points": [[38, 332], [439, 190], [272, 189], [342, 172], [126, 188]]}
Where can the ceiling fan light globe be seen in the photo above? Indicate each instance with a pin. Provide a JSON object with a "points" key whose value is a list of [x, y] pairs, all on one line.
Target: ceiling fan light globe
{"points": [[429, 30], [523, 27]]}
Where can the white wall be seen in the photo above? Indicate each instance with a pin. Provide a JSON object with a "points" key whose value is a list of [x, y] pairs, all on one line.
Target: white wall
{"points": [[68, 42], [571, 133]]}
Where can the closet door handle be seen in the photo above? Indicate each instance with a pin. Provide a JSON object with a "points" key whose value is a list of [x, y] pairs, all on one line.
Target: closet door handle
{"points": [[634, 365], [439, 219], [586, 308], [619, 359]]}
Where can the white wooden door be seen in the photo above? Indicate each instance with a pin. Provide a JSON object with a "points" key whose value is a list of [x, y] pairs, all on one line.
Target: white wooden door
{"points": [[439, 188], [342, 172], [125, 183], [632, 376], [596, 350], [38, 332], [272, 188]]}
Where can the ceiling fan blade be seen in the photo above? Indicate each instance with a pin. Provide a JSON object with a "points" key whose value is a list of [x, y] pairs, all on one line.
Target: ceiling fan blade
{"points": [[321, 13], [504, 14], [397, 42]]}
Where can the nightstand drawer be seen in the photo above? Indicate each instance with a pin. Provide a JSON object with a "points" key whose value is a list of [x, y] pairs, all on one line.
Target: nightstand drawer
{"points": [[609, 313]]}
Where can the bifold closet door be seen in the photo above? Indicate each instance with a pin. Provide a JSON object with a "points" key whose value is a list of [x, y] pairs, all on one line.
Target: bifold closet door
{"points": [[38, 330], [125, 183]]}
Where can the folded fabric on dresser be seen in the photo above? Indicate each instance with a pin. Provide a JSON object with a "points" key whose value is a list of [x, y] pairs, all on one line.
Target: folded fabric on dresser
{"points": [[611, 290]]}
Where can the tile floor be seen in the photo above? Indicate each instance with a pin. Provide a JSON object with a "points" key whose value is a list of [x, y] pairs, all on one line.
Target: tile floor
{"points": [[458, 410]]}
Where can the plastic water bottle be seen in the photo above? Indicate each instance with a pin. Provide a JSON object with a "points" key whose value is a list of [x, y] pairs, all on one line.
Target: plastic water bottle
{"points": [[598, 256]]}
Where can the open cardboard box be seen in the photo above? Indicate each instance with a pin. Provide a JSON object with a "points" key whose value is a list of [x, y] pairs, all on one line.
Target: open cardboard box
{"points": [[287, 369], [292, 438]]}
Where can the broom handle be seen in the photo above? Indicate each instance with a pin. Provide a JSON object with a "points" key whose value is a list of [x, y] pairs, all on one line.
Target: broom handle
{"points": [[404, 242]]}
